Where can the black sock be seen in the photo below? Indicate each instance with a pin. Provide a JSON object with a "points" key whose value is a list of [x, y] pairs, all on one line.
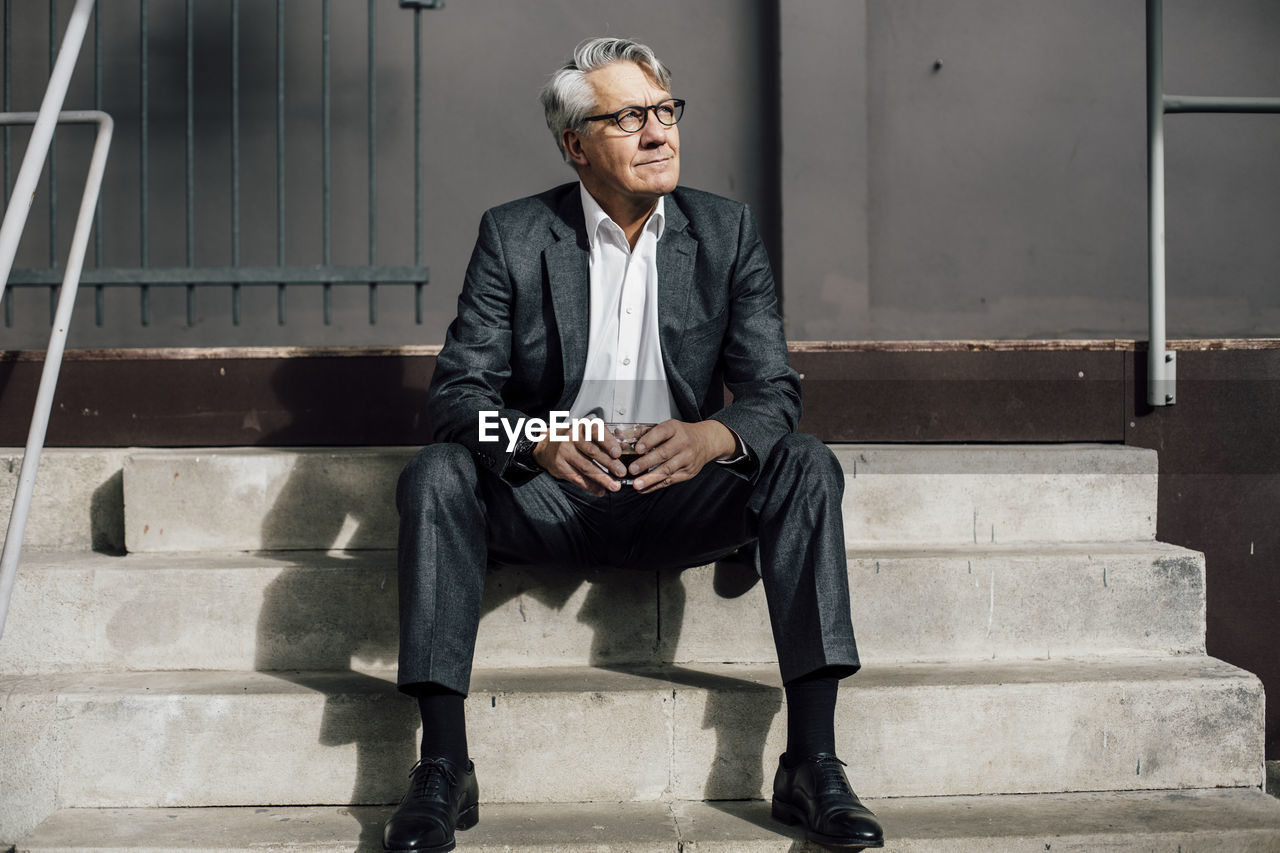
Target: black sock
{"points": [[811, 715], [444, 726]]}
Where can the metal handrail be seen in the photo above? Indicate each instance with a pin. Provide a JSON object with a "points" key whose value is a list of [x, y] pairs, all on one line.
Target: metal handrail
{"points": [[15, 219], [1162, 364]]}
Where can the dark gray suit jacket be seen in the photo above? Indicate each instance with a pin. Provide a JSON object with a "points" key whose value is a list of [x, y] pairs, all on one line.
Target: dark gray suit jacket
{"points": [[519, 343]]}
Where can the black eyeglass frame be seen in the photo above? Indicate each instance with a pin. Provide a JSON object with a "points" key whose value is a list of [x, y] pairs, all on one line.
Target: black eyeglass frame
{"points": [[677, 103]]}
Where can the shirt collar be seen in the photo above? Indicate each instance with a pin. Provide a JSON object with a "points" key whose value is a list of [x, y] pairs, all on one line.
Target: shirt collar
{"points": [[594, 215]]}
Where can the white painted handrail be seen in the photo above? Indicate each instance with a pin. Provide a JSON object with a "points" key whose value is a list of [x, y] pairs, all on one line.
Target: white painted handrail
{"points": [[15, 219], [24, 188], [1162, 363]]}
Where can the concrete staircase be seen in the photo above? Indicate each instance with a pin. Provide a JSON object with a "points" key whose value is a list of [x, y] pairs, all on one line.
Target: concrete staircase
{"points": [[1035, 671]]}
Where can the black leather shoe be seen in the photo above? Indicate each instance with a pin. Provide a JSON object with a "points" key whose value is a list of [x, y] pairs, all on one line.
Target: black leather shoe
{"points": [[440, 798], [816, 795]]}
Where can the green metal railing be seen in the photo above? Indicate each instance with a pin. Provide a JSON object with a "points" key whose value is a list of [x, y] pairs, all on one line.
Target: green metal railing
{"points": [[233, 276]]}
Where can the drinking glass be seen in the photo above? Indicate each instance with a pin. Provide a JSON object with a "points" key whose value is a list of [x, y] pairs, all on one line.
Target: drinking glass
{"points": [[627, 434]]}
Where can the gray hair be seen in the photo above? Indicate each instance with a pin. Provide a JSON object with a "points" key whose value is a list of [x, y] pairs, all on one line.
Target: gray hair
{"points": [[568, 99]]}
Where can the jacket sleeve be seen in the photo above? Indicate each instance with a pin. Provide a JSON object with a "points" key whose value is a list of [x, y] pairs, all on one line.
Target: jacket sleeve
{"points": [[766, 391], [475, 361]]}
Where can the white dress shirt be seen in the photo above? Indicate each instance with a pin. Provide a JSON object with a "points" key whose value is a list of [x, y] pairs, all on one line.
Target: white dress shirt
{"points": [[625, 380]]}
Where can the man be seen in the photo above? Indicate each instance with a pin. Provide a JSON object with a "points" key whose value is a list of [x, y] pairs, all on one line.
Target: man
{"points": [[626, 296]]}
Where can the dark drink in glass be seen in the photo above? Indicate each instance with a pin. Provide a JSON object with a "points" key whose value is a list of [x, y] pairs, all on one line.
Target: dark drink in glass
{"points": [[627, 434]]}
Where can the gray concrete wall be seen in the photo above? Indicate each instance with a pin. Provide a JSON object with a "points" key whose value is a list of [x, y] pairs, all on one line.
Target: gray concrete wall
{"points": [[998, 196], [1002, 193]]}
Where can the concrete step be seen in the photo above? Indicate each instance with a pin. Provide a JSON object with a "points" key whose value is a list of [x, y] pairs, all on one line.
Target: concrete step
{"points": [[978, 602], [582, 734], [266, 499], [971, 494], [78, 502], [1241, 821], [253, 499], [317, 610]]}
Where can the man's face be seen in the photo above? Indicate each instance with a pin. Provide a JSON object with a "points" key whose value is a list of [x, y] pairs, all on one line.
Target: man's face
{"points": [[619, 167]]}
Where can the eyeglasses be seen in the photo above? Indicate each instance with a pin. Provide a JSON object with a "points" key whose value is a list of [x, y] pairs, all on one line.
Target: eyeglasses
{"points": [[631, 119]]}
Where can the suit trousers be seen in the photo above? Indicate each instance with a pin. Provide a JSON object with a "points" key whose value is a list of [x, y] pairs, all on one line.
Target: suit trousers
{"points": [[457, 518]]}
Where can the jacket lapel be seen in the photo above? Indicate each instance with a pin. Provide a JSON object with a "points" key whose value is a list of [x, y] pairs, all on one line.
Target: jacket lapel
{"points": [[676, 253], [569, 278]]}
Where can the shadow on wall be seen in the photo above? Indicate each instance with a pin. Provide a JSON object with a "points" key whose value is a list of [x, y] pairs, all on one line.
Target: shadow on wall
{"points": [[106, 516], [739, 711], [333, 609], [333, 614]]}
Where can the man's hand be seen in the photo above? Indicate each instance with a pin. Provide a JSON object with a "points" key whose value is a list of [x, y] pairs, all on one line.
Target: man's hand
{"points": [[676, 451], [572, 461]]}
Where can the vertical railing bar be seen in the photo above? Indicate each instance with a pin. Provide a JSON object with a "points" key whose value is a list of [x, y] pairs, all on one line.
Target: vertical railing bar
{"points": [[8, 91], [45, 122], [99, 298], [53, 153], [144, 248], [417, 159], [325, 154], [1160, 362], [8, 94], [190, 160], [235, 155], [373, 159], [280, 288], [53, 168]]}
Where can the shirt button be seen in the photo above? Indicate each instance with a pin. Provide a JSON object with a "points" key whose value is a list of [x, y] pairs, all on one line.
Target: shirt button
{"points": [[628, 309], [626, 361], [622, 411]]}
